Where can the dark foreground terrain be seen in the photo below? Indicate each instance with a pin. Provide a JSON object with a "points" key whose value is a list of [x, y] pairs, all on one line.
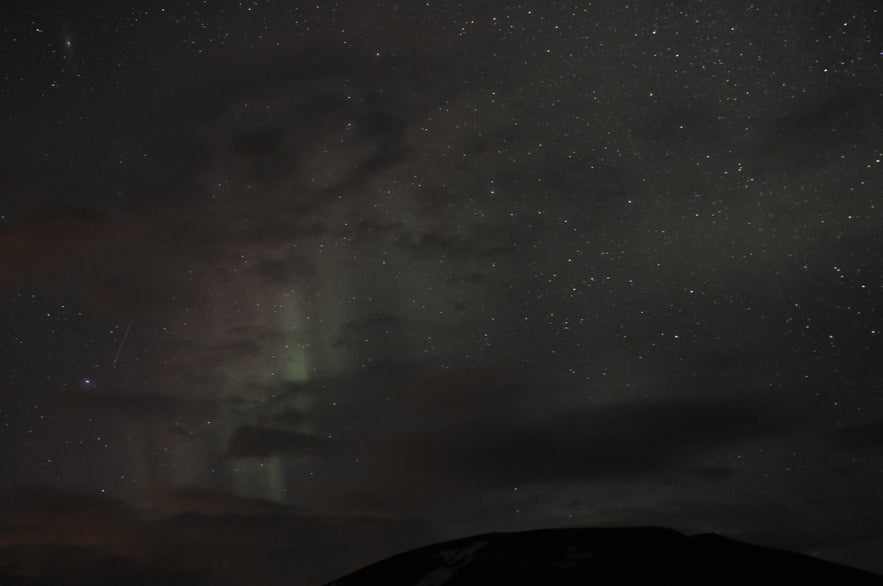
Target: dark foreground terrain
{"points": [[621, 556]]}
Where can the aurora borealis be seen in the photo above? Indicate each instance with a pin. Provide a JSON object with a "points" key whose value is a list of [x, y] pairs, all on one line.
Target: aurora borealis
{"points": [[286, 287]]}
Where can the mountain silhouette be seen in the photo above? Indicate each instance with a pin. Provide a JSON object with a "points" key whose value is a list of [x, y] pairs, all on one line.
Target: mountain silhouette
{"points": [[601, 556]]}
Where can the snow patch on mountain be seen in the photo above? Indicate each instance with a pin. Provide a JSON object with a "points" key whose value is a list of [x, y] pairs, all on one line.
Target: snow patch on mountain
{"points": [[453, 560]]}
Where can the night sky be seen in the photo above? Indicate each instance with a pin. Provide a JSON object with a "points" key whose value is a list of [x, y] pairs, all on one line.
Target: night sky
{"points": [[287, 287]]}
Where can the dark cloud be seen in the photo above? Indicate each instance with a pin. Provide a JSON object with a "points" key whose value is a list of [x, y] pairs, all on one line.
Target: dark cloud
{"points": [[259, 141], [340, 127], [377, 320], [713, 473], [114, 263], [191, 500], [831, 119], [260, 442], [120, 403], [618, 441], [186, 537], [284, 270], [43, 243], [867, 436]]}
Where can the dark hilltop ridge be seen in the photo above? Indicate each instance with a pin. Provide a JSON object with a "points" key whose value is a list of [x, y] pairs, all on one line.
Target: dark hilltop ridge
{"points": [[598, 556]]}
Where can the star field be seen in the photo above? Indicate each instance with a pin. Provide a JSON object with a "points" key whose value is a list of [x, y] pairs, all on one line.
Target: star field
{"points": [[391, 273]]}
